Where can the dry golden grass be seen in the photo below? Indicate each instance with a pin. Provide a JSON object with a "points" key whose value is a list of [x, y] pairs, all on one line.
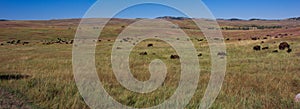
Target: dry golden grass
{"points": [[259, 79]]}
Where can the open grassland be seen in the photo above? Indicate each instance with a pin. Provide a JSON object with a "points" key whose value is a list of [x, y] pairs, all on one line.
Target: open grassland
{"points": [[254, 79]]}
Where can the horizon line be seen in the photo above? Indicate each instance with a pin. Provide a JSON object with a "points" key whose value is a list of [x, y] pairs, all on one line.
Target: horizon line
{"points": [[232, 18]]}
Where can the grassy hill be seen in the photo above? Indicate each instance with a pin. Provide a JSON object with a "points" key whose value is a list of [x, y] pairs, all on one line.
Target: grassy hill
{"points": [[254, 79]]}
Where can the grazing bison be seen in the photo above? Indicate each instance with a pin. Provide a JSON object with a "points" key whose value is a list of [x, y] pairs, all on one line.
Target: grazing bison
{"points": [[11, 42], [200, 40], [275, 51], [150, 45], [284, 45], [24, 43], [119, 48], [262, 42], [239, 39], [174, 57], [289, 50], [2, 44], [254, 38], [72, 41], [222, 54], [18, 42], [200, 54], [257, 48], [265, 48], [144, 53]]}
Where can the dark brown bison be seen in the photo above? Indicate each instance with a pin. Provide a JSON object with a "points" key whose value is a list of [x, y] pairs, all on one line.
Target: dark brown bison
{"points": [[222, 54], [265, 48], [72, 41], [284, 45], [24, 43], [200, 40], [150, 45], [200, 54], [289, 50], [119, 48], [144, 53], [174, 57], [254, 38], [18, 42], [275, 51], [257, 48]]}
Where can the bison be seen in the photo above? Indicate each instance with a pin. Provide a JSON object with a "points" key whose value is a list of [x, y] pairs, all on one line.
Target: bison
{"points": [[119, 48], [24, 43], [174, 57], [257, 48], [254, 38], [283, 46], [200, 54], [222, 54], [150, 45], [144, 53], [275, 51], [289, 50], [18, 41], [265, 48]]}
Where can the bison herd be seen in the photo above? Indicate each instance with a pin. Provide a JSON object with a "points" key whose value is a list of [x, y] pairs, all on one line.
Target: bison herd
{"points": [[282, 46], [44, 42], [16, 42], [58, 41]]}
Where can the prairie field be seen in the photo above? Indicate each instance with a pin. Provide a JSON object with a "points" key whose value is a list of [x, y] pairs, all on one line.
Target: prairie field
{"points": [[40, 70]]}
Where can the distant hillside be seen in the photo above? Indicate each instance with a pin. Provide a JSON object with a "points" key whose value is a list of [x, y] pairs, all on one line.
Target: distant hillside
{"points": [[4, 20], [173, 18], [295, 18]]}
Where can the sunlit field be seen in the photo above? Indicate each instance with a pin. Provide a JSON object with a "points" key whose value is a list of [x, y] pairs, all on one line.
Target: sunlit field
{"points": [[254, 79]]}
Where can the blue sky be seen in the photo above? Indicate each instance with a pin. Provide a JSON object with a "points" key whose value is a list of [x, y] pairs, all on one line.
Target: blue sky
{"points": [[62, 9]]}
